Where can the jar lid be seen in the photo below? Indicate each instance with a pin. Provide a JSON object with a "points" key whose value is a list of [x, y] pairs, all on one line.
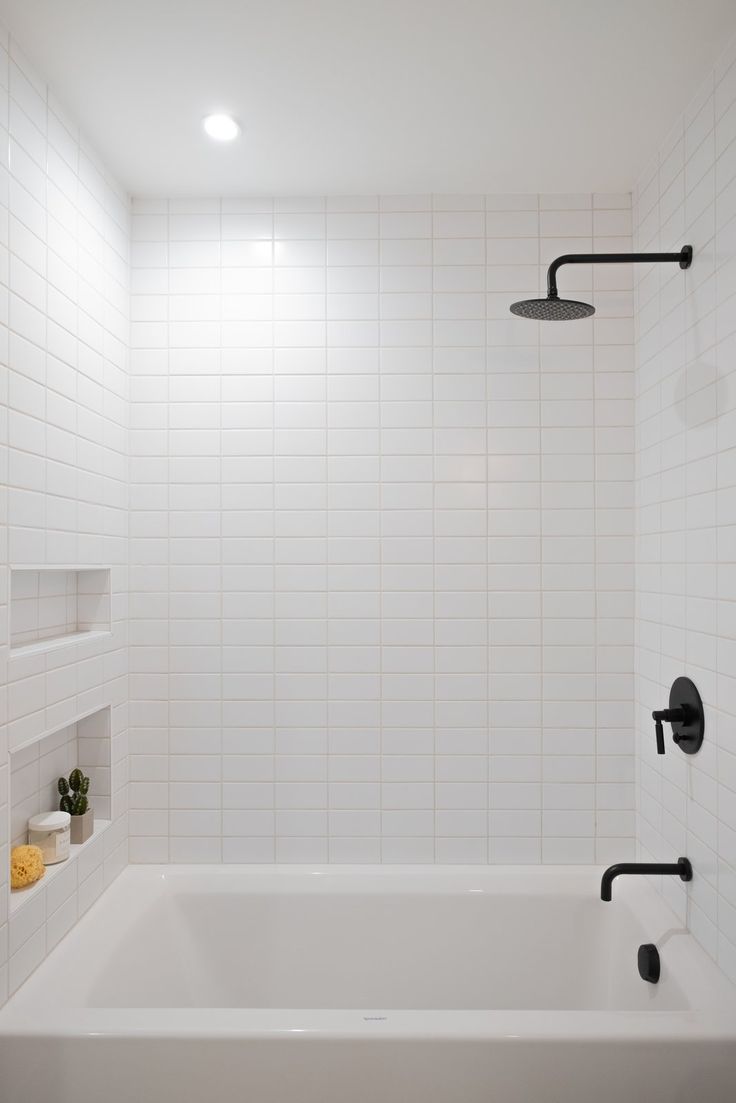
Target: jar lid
{"points": [[49, 821]]}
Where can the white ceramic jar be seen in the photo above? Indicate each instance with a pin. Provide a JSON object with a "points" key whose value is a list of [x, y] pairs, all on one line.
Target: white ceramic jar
{"points": [[50, 831]]}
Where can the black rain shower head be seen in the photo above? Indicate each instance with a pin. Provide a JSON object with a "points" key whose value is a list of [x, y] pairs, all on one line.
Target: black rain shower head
{"points": [[555, 309], [552, 309]]}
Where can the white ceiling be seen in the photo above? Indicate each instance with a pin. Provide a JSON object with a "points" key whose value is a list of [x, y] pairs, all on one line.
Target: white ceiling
{"points": [[365, 96]]}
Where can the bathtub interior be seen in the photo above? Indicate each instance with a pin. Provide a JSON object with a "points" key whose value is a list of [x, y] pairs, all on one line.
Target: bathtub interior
{"points": [[467, 939]]}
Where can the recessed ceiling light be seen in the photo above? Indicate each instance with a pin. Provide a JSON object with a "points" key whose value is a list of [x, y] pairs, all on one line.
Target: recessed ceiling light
{"points": [[222, 128]]}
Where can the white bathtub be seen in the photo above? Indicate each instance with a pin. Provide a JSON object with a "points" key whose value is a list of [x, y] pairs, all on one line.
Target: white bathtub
{"points": [[370, 985]]}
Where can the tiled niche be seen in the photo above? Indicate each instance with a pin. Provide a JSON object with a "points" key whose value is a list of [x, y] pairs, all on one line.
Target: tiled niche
{"points": [[35, 770], [51, 607]]}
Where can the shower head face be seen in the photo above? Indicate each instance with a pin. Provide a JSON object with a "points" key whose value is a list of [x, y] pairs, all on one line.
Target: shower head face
{"points": [[552, 309]]}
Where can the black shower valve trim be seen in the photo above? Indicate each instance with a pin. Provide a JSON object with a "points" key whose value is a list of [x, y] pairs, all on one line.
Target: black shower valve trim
{"points": [[685, 714]]}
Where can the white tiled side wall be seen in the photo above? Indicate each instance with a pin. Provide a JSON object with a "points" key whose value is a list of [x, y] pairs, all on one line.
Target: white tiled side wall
{"points": [[381, 533], [63, 398], [686, 486]]}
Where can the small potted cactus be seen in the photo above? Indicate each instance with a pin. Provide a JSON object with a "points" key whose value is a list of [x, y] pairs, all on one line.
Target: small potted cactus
{"points": [[74, 801]]}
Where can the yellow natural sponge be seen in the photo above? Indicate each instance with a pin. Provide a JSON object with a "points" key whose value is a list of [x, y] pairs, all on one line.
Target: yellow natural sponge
{"points": [[26, 866]]}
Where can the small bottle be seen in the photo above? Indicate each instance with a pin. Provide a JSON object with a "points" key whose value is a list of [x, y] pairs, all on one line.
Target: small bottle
{"points": [[50, 831]]}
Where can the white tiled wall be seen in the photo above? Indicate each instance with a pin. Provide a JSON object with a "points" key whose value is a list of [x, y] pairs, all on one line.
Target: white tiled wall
{"points": [[381, 533], [686, 485], [63, 456]]}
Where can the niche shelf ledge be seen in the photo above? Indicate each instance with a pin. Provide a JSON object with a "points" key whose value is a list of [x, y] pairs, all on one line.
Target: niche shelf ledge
{"points": [[54, 643], [19, 897]]}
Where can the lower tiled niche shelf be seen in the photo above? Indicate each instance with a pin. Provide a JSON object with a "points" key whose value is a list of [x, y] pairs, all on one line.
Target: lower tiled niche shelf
{"points": [[34, 772], [19, 897]]}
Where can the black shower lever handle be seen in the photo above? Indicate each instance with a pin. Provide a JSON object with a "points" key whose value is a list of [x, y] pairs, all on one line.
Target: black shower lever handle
{"points": [[660, 715]]}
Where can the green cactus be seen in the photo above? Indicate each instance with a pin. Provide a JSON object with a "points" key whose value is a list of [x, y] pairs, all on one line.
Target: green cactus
{"points": [[74, 793], [80, 805]]}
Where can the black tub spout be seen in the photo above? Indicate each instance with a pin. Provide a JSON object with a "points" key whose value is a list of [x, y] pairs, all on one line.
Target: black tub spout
{"points": [[681, 868]]}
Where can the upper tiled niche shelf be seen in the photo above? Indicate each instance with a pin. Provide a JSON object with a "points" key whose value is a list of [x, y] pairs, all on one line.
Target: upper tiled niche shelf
{"points": [[52, 607]]}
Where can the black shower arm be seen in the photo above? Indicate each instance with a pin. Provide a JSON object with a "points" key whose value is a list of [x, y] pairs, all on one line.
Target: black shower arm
{"points": [[683, 258]]}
